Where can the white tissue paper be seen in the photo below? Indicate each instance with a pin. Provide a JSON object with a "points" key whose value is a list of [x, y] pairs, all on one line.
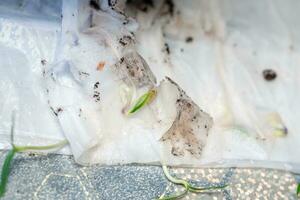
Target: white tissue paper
{"points": [[75, 73]]}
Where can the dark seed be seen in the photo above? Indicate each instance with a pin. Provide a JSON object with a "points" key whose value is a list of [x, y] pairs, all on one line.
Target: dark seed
{"points": [[269, 74], [189, 39]]}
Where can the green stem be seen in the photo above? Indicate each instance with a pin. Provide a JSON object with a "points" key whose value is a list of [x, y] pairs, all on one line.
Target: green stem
{"points": [[40, 148], [188, 187], [201, 189], [6, 170], [176, 196], [9, 157], [173, 179], [176, 181]]}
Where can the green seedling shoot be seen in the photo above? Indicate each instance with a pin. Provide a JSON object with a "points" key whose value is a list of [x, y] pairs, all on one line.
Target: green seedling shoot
{"points": [[16, 149], [143, 100], [187, 186]]}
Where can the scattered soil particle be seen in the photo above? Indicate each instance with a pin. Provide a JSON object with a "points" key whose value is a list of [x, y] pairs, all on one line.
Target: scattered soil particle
{"points": [[126, 39], [148, 2], [121, 42], [80, 111], [171, 6], [269, 74], [144, 8], [125, 22], [55, 113], [96, 96], [43, 62], [95, 4], [112, 3], [59, 110], [96, 85], [142, 5], [31, 154], [185, 134], [134, 69], [189, 39], [176, 151], [83, 73], [167, 48]]}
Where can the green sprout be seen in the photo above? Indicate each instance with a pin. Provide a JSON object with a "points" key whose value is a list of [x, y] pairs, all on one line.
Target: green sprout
{"points": [[187, 186], [298, 189], [143, 100], [5, 171], [15, 149]]}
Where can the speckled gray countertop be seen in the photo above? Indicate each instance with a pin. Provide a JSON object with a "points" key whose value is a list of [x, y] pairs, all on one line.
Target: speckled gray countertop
{"points": [[59, 177]]}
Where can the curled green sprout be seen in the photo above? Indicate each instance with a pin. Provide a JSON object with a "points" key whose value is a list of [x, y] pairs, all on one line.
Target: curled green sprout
{"points": [[15, 149], [187, 186], [143, 100]]}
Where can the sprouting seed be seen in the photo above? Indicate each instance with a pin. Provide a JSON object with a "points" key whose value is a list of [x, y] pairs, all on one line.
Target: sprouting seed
{"points": [[143, 100], [15, 149], [9, 157]]}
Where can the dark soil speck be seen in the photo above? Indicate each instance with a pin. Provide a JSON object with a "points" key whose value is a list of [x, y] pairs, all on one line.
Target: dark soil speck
{"points": [[189, 39], [269, 74]]}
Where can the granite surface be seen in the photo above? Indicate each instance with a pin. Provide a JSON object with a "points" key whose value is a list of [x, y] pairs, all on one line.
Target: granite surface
{"points": [[59, 177]]}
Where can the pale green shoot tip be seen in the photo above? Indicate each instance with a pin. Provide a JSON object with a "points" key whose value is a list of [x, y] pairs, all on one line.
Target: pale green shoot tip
{"points": [[143, 100]]}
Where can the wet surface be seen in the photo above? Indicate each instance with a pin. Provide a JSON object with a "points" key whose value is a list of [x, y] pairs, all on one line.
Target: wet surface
{"points": [[183, 134], [59, 177]]}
